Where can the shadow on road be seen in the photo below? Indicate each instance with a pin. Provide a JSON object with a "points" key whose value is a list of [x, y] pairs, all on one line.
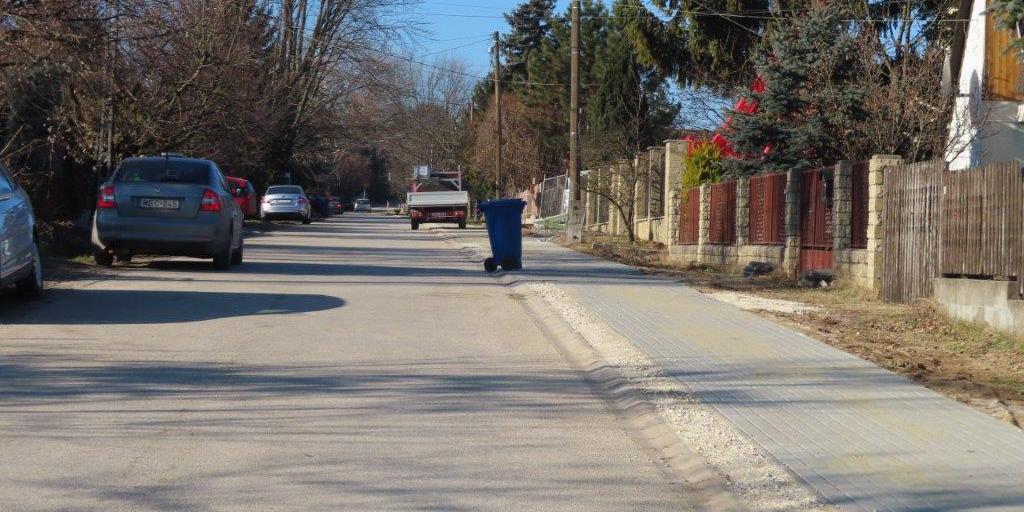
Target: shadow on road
{"points": [[103, 307], [410, 386], [295, 268]]}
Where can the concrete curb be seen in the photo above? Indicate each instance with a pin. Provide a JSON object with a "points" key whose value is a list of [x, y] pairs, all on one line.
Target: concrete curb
{"points": [[704, 488]]}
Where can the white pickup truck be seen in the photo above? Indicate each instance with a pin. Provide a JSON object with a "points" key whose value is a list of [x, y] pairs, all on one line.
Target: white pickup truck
{"points": [[438, 207]]}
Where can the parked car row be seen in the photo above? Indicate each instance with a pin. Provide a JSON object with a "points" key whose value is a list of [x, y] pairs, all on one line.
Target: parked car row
{"points": [[167, 205]]}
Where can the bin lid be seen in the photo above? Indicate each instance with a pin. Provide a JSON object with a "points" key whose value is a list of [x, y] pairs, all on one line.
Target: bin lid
{"points": [[502, 203]]}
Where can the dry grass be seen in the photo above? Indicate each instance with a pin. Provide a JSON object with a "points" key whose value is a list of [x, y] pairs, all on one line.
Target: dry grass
{"points": [[974, 364]]}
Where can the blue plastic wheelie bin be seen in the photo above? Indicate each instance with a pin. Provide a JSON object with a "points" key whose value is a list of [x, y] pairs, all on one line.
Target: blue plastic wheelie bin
{"points": [[504, 229]]}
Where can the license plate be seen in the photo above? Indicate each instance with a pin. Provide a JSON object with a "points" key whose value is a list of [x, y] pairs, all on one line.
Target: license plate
{"points": [[159, 204], [282, 201], [439, 214]]}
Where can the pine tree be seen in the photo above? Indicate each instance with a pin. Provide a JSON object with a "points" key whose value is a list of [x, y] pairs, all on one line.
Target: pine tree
{"points": [[699, 42], [549, 66], [811, 99], [1010, 15], [530, 24], [629, 102]]}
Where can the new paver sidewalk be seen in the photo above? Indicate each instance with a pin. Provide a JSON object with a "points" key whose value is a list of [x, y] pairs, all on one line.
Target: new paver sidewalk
{"points": [[861, 436]]}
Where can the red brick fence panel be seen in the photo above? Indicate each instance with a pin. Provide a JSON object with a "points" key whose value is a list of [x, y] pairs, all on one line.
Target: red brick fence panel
{"points": [[816, 229], [689, 216], [722, 227], [767, 208], [859, 206]]}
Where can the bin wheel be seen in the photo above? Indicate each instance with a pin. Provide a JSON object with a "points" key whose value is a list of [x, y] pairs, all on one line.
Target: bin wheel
{"points": [[510, 264], [490, 265]]}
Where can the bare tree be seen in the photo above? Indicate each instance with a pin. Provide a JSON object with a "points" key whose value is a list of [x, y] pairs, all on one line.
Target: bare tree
{"points": [[521, 156]]}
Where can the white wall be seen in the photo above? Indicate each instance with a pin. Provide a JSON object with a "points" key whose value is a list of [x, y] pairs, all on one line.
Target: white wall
{"points": [[963, 131], [981, 132]]}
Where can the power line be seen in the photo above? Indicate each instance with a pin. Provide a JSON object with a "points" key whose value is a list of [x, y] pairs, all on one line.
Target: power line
{"points": [[710, 13], [446, 50]]}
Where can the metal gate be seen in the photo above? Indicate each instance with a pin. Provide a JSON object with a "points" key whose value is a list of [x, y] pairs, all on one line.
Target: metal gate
{"points": [[816, 240]]}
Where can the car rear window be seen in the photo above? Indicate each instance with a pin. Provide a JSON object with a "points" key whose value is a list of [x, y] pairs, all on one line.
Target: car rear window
{"points": [[284, 190], [163, 170]]}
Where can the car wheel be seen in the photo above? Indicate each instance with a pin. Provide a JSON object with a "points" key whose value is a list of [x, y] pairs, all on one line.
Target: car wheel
{"points": [[307, 220], [415, 225], [32, 284], [222, 261], [124, 258], [103, 258], [462, 224], [236, 257]]}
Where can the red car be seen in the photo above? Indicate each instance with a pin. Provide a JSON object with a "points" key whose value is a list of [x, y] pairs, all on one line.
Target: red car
{"points": [[245, 196]]}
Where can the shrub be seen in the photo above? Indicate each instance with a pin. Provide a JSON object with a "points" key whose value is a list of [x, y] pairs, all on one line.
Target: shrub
{"points": [[703, 165]]}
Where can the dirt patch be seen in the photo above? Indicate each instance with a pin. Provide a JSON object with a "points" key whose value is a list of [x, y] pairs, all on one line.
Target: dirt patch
{"points": [[973, 364], [750, 302], [60, 270]]}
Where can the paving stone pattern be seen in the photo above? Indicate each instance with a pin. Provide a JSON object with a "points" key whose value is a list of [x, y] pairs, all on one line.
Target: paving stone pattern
{"points": [[862, 437]]}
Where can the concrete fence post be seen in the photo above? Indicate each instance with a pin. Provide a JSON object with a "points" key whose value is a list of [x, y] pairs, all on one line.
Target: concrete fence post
{"points": [[614, 219], [842, 206], [588, 207], [742, 211], [619, 192], [791, 226], [638, 183], [675, 153], [876, 197], [704, 234]]}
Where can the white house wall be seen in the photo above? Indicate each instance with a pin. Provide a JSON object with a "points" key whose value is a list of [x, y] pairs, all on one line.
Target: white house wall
{"points": [[981, 131]]}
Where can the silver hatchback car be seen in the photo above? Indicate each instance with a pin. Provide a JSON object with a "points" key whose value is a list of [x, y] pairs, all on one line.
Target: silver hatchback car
{"points": [[286, 202], [168, 206], [20, 264]]}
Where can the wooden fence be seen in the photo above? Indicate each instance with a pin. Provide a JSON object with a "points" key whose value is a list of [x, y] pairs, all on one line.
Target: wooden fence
{"points": [[767, 208], [722, 226], [982, 222], [817, 236], [689, 216], [910, 230]]}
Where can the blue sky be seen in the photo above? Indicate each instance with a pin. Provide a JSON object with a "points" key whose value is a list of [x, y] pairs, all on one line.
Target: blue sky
{"points": [[463, 28]]}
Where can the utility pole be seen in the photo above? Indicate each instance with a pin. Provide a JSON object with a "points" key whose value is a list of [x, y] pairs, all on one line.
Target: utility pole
{"points": [[574, 223], [497, 108]]}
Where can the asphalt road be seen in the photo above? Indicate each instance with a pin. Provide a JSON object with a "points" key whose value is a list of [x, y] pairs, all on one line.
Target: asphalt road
{"points": [[348, 365]]}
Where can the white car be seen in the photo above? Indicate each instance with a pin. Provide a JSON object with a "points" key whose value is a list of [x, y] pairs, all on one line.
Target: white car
{"points": [[363, 205], [286, 202], [20, 264]]}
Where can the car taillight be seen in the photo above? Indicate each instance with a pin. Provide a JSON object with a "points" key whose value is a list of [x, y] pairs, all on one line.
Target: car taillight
{"points": [[210, 201], [105, 199], [302, 200]]}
